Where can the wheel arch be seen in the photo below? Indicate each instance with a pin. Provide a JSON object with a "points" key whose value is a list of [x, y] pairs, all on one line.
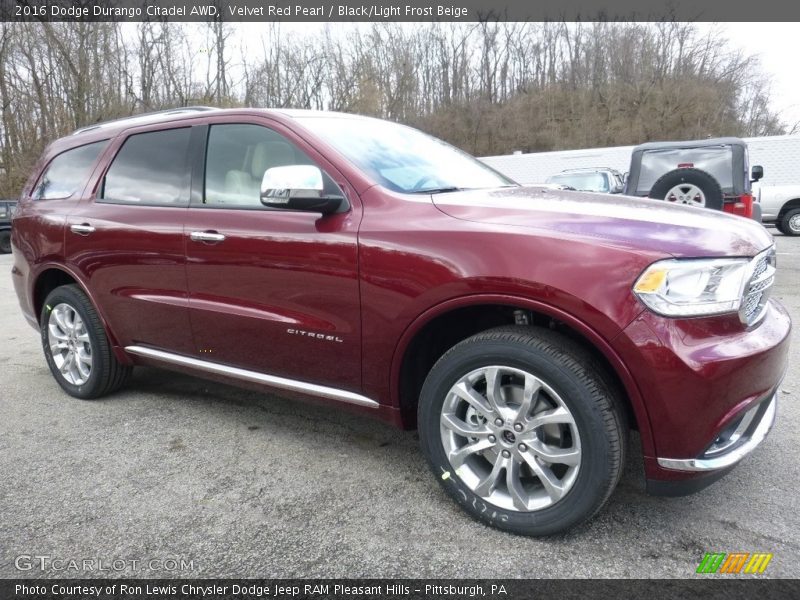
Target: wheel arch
{"points": [[51, 276], [415, 354], [787, 206]]}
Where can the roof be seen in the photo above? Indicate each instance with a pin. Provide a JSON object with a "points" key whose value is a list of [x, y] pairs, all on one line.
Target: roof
{"points": [[165, 116], [144, 118], [723, 141], [109, 129]]}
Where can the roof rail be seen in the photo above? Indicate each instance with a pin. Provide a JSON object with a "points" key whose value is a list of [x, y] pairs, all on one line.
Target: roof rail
{"points": [[168, 111]]}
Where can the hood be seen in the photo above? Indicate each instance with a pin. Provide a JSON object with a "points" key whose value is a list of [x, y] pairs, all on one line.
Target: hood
{"points": [[635, 223]]}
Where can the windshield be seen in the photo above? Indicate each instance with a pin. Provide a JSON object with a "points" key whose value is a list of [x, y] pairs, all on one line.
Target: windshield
{"points": [[585, 182], [403, 159]]}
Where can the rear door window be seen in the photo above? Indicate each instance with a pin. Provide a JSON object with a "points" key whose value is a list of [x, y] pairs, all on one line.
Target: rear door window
{"points": [[150, 169], [67, 173]]}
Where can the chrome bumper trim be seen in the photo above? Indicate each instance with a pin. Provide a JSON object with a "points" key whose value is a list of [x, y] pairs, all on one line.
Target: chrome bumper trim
{"points": [[732, 457], [254, 376]]}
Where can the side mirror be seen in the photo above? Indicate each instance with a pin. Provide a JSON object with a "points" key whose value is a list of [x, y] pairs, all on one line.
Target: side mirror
{"points": [[626, 176], [756, 173], [297, 187]]}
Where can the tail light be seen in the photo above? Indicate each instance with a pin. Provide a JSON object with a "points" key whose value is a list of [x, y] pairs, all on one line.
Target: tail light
{"points": [[742, 206]]}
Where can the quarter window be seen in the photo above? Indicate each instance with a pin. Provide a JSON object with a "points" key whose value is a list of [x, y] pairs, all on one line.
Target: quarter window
{"points": [[67, 173], [151, 169]]}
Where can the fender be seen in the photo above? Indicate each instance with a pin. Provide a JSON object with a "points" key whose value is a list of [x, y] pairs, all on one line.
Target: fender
{"points": [[631, 387], [120, 354]]}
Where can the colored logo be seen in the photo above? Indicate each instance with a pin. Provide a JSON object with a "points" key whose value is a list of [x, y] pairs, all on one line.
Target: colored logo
{"points": [[736, 562]]}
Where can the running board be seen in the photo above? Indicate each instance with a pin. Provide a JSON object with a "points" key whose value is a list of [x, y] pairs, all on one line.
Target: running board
{"points": [[255, 377]]}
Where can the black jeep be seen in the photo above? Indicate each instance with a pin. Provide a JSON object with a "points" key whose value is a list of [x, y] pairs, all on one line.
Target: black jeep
{"points": [[712, 173], [6, 210]]}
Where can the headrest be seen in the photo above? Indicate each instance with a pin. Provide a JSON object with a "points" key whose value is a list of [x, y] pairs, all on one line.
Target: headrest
{"points": [[270, 154]]}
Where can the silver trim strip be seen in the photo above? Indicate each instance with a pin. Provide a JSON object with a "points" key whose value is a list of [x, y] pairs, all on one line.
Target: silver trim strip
{"points": [[255, 377], [734, 456]]}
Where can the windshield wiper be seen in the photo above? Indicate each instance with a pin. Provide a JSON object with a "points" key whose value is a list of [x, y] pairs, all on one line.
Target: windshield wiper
{"points": [[440, 190]]}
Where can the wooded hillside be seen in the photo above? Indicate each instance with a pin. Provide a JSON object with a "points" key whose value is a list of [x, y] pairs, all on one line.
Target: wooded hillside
{"points": [[489, 88]]}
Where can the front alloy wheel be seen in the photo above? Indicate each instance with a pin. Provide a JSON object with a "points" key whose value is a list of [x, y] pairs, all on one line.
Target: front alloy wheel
{"points": [[789, 223], [524, 429], [510, 438]]}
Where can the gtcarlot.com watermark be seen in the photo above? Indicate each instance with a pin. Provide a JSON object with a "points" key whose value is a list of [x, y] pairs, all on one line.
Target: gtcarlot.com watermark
{"points": [[55, 564]]}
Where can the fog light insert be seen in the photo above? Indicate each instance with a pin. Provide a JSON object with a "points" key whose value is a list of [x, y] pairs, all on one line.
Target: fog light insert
{"points": [[734, 432]]}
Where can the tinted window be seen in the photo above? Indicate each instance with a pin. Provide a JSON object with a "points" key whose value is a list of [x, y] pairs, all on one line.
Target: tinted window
{"points": [[151, 168], [586, 182], [236, 159], [716, 160], [67, 172]]}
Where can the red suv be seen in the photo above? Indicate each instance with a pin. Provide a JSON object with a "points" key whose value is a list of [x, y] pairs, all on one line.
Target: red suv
{"points": [[522, 330]]}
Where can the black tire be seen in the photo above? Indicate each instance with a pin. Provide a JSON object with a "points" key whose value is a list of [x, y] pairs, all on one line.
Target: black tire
{"points": [[5, 242], [779, 227], [707, 184], [789, 223], [585, 389], [106, 373]]}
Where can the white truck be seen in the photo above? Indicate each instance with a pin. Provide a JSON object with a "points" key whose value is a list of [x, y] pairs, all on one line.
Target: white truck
{"points": [[779, 190]]}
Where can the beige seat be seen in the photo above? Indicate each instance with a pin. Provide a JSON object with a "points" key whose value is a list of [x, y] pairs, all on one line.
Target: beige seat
{"points": [[267, 155], [243, 188]]}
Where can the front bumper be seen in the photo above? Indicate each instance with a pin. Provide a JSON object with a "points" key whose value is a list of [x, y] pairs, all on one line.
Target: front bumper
{"points": [[740, 439], [709, 388]]}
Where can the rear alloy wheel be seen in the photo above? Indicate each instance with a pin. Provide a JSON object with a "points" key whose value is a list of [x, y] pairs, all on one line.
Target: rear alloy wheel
{"points": [[522, 430], [790, 222], [76, 346], [70, 346], [688, 186]]}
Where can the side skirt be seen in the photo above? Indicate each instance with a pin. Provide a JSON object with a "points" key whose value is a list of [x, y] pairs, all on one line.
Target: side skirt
{"points": [[280, 383]]}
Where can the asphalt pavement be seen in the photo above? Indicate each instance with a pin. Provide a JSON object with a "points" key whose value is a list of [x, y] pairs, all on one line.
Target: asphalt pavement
{"points": [[176, 476]]}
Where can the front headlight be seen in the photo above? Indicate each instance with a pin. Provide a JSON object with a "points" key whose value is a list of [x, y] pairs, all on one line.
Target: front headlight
{"points": [[693, 287]]}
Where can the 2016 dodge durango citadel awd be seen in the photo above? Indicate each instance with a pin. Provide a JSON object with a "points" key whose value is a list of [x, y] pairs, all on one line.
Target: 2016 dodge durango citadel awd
{"points": [[522, 331]]}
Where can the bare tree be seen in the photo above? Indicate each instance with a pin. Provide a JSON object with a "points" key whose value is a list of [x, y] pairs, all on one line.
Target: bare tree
{"points": [[487, 87]]}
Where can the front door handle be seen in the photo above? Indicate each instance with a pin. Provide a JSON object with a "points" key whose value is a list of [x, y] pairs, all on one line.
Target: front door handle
{"points": [[206, 236], [82, 229]]}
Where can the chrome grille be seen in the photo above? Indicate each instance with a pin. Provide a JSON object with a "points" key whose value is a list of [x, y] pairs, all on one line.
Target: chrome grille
{"points": [[756, 292]]}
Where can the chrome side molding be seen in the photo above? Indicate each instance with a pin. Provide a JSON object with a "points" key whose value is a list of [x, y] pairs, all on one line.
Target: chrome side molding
{"points": [[281, 383]]}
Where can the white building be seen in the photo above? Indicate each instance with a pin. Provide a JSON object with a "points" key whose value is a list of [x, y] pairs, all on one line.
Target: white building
{"points": [[779, 155]]}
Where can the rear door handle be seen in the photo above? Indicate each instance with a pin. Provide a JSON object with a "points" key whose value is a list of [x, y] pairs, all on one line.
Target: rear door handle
{"points": [[82, 229], [206, 236]]}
